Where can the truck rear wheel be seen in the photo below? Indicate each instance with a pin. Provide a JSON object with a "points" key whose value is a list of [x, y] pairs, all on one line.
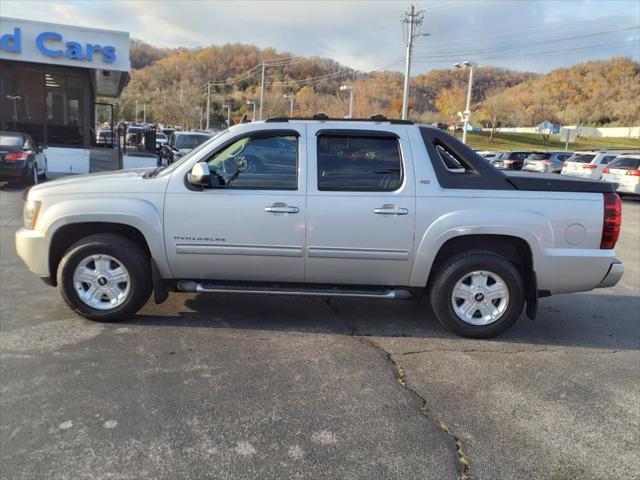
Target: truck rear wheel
{"points": [[105, 277], [477, 294]]}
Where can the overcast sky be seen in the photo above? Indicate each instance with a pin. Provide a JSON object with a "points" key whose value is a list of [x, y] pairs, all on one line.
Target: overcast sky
{"points": [[366, 35]]}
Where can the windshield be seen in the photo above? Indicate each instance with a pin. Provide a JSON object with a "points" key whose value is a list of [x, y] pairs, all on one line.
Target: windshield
{"points": [[581, 158], [11, 141], [168, 170], [539, 156], [190, 141], [161, 136], [628, 163]]}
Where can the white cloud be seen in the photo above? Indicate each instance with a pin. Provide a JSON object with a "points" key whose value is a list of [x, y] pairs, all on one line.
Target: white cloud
{"points": [[360, 34]]}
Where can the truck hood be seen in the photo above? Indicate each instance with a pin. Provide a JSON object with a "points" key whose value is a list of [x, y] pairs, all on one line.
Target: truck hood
{"points": [[116, 182]]}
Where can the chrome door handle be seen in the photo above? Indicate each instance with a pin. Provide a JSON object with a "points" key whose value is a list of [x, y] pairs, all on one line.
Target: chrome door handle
{"points": [[390, 210], [280, 208]]}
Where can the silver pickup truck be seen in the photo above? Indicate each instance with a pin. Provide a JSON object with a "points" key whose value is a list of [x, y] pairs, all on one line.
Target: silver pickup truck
{"points": [[365, 208]]}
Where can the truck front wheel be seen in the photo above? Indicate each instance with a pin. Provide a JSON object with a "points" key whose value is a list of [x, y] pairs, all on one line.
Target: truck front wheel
{"points": [[477, 294], [105, 277]]}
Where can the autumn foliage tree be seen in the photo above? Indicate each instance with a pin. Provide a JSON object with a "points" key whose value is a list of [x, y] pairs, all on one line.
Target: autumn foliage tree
{"points": [[171, 83]]}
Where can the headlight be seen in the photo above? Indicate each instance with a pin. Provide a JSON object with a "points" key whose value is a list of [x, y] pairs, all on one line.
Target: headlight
{"points": [[30, 213]]}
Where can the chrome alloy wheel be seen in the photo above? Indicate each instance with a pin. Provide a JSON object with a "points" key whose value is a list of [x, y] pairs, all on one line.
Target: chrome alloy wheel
{"points": [[102, 282], [480, 297]]}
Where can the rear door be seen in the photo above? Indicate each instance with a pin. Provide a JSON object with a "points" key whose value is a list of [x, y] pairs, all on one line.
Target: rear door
{"points": [[360, 204]]}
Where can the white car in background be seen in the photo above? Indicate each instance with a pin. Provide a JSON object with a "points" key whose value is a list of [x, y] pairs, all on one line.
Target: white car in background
{"points": [[625, 171], [589, 164]]}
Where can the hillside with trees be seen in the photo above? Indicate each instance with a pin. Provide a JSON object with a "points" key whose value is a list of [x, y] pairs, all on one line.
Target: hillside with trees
{"points": [[170, 85]]}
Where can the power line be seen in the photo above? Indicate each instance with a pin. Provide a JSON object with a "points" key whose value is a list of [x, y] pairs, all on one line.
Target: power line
{"points": [[542, 54], [613, 19], [448, 54]]}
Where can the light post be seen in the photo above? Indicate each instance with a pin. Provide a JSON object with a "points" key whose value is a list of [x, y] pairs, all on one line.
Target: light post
{"points": [[291, 98], [14, 99], [253, 103], [228, 107], [467, 112], [199, 109], [349, 88]]}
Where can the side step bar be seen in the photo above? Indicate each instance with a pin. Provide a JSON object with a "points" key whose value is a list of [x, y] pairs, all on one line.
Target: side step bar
{"points": [[195, 287]]}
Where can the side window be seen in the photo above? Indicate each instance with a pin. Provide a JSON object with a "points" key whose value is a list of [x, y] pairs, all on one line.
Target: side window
{"points": [[449, 159], [359, 163], [607, 159], [260, 163]]}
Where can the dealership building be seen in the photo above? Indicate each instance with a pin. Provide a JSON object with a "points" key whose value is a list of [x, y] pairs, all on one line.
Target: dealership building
{"points": [[51, 76]]}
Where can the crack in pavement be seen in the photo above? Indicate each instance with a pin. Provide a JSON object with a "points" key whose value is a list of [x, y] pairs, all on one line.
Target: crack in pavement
{"points": [[463, 461], [480, 350]]}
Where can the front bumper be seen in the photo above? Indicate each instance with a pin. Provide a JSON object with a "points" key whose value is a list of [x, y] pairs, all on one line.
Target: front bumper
{"points": [[33, 248], [613, 276]]}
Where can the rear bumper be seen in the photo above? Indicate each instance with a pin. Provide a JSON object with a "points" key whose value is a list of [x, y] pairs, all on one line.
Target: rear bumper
{"points": [[613, 276], [14, 171]]}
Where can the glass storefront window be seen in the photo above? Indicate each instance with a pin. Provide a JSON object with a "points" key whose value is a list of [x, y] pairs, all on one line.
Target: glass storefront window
{"points": [[64, 109], [22, 108]]}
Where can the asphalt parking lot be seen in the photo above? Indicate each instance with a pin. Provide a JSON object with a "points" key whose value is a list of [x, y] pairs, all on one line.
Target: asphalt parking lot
{"points": [[233, 387]]}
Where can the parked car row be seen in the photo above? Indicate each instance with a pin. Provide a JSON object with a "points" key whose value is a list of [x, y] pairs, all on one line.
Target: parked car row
{"points": [[617, 166]]}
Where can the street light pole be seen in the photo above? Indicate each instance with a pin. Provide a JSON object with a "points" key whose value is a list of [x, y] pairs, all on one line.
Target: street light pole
{"points": [[467, 112], [348, 88], [228, 107], [261, 93], [136, 115], [208, 103], [291, 98], [253, 103]]}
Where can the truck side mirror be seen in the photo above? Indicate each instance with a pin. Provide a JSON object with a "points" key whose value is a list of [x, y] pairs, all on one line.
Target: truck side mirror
{"points": [[200, 175]]}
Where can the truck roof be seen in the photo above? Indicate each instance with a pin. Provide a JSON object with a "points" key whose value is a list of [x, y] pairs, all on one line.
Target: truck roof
{"points": [[324, 118]]}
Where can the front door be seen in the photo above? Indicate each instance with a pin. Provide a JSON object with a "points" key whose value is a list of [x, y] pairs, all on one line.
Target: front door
{"points": [[250, 224], [360, 206]]}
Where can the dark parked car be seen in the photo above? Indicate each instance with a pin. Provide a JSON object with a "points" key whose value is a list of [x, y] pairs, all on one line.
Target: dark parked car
{"points": [[181, 143], [511, 160], [21, 158]]}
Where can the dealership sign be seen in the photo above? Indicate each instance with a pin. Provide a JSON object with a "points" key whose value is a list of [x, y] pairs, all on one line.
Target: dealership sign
{"points": [[41, 42]]}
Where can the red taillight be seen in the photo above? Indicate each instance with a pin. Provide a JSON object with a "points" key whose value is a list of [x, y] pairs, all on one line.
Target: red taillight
{"points": [[633, 173], [15, 156], [606, 170], [589, 166], [612, 221]]}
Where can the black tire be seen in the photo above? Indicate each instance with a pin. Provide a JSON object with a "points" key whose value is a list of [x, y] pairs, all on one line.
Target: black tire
{"points": [[30, 176], [44, 175], [454, 269], [127, 252]]}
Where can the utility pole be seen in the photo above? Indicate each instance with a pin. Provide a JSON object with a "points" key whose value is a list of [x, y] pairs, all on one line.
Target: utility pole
{"points": [[413, 19], [261, 93], [144, 112], [208, 103], [136, 115]]}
